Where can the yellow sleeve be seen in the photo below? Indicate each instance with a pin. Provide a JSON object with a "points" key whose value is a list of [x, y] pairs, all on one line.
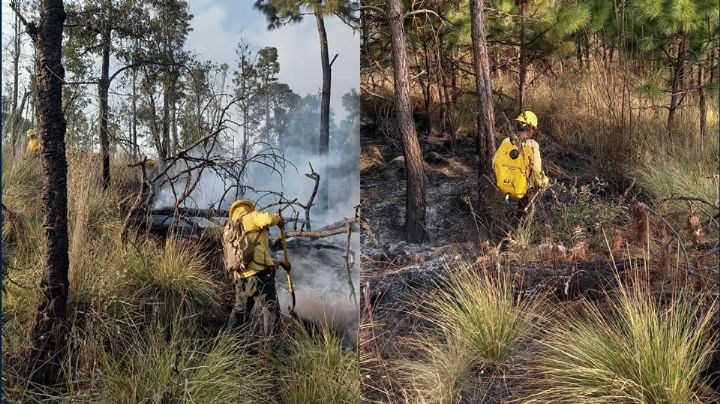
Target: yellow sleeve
{"points": [[538, 176], [264, 220]]}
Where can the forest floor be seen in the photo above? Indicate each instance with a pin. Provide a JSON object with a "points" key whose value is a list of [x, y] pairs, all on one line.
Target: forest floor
{"points": [[576, 227]]}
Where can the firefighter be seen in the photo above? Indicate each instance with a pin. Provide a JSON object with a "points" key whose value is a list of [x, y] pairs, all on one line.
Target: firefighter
{"points": [[256, 282], [33, 144], [518, 165]]}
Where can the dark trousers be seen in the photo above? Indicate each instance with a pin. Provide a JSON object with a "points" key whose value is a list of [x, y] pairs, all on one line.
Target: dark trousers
{"points": [[525, 210], [260, 289]]}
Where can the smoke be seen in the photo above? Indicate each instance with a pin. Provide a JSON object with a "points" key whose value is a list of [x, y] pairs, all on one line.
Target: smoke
{"points": [[320, 276]]}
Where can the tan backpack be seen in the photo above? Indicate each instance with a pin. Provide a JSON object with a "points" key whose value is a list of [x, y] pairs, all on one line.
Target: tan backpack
{"points": [[238, 249]]}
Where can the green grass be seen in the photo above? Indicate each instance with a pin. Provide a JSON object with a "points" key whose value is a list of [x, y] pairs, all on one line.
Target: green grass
{"points": [[170, 283], [216, 371], [318, 370], [475, 322], [443, 366], [482, 312], [644, 352]]}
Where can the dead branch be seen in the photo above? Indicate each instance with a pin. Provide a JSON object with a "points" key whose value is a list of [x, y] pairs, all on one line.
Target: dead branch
{"points": [[325, 231], [682, 197]]}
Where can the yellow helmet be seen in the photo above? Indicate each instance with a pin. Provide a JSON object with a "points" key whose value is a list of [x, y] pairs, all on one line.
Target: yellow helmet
{"points": [[30, 132], [150, 163], [242, 202], [529, 118]]}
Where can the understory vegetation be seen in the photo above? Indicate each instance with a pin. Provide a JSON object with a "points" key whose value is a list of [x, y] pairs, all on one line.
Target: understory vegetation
{"points": [[145, 318]]}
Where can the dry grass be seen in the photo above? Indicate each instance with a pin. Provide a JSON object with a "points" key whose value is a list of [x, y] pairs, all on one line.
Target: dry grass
{"points": [[642, 352]]}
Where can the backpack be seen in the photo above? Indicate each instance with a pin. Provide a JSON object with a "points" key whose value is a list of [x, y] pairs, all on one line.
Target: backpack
{"points": [[238, 249], [510, 168]]}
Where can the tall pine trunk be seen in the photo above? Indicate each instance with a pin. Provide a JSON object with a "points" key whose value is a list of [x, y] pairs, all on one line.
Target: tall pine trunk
{"points": [[103, 89], [415, 205], [523, 59], [49, 332], [677, 79], [483, 85], [324, 194], [703, 106], [16, 66]]}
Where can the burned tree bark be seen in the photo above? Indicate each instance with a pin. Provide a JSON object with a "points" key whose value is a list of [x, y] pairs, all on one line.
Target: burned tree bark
{"points": [[486, 113], [48, 332], [415, 204], [324, 109], [103, 89]]}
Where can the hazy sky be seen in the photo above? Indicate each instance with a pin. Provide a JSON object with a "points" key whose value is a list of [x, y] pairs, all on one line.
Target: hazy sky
{"points": [[218, 25]]}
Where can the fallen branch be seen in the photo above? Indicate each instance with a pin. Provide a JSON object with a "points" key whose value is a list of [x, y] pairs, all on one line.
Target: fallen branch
{"points": [[681, 197]]}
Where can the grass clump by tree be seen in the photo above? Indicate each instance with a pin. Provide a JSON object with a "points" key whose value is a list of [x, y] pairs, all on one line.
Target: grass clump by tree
{"points": [[643, 351]]}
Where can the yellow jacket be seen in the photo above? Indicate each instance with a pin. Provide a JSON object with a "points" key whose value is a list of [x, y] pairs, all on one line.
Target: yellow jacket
{"points": [[531, 151], [254, 221], [33, 146]]}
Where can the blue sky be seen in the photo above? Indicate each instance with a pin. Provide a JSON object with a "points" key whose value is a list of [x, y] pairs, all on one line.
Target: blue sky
{"points": [[219, 25]]}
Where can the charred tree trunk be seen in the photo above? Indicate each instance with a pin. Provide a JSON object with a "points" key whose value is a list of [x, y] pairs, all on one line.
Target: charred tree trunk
{"points": [[415, 230], [447, 119], [16, 74], [703, 107], [483, 85], [166, 123], [427, 90], [136, 148], [677, 78], [103, 89], [48, 332], [324, 111], [523, 58]]}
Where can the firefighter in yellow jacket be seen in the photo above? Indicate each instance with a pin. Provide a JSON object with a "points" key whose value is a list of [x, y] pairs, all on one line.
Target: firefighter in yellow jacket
{"points": [[526, 126], [33, 144], [257, 283]]}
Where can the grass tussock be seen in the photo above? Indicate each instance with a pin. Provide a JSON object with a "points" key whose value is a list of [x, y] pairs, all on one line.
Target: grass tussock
{"points": [[217, 371], [171, 282], [643, 352], [476, 322], [483, 313], [318, 370]]}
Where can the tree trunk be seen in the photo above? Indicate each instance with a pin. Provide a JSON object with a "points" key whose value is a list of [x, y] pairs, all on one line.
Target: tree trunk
{"points": [[324, 112], [136, 148], [523, 60], [16, 67], [166, 123], [48, 332], [173, 117], [447, 118], [703, 107], [427, 90], [103, 88], [677, 77], [415, 230], [483, 85]]}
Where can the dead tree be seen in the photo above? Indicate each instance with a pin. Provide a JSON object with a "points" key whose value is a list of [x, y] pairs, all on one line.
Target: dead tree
{"points": [[48, 333]]}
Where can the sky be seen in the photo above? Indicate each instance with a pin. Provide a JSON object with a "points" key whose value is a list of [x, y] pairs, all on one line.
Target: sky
{"points": [[218, 26]]}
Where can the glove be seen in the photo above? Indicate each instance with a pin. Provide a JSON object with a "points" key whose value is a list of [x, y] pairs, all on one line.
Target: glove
{"points": [[285, 265], [544, 182], [281, 222]]}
